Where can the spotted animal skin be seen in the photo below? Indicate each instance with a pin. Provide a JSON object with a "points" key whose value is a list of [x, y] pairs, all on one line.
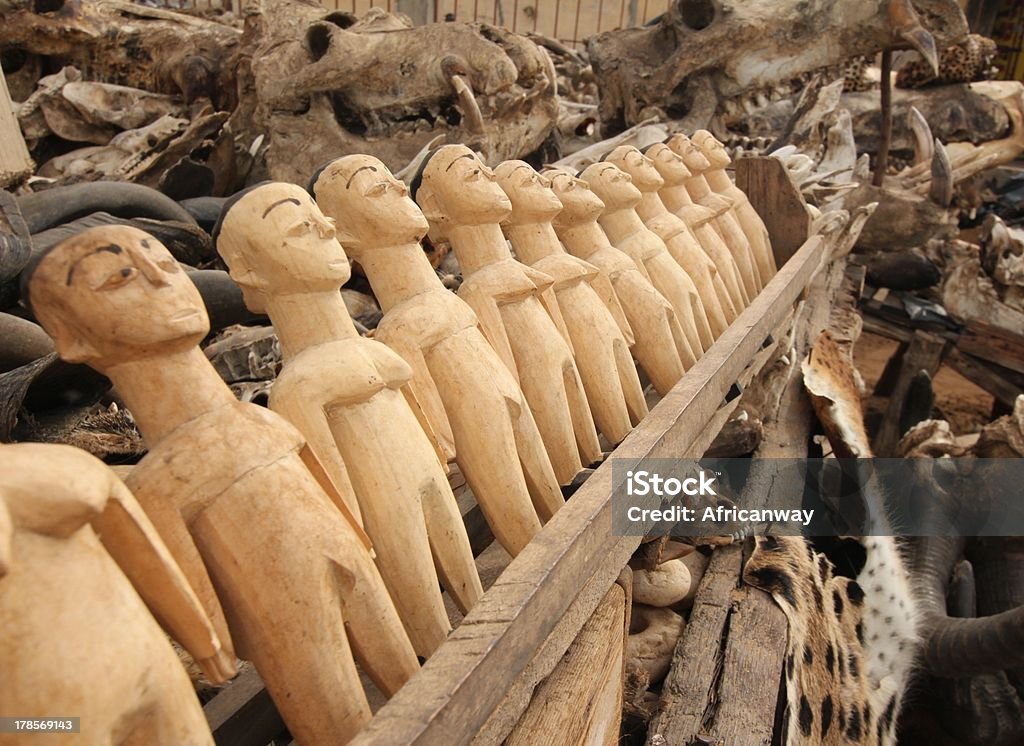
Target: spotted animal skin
{"points": [[969, 60], [851, 642]]}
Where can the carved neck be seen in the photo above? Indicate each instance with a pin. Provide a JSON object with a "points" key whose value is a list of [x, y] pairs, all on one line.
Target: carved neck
{"points": [[583, 239], [719, 180], [675, 197], [533, 241], [309, 319], [650, 206], [698, 187], [621, 224], [398, 273], [477, 246], [166, 392]]}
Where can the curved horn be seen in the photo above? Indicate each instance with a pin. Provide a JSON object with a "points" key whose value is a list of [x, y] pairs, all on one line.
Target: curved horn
{"points": [[958, 648]]}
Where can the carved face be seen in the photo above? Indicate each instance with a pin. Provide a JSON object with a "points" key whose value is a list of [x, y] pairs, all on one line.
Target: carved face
{"points": [[114, 293], [639, 166], [691, 154], [371, 208], [579, 202], [669, 164], [459, 189], [711, 148], [612, 185], [530, 193], [276, 241]]}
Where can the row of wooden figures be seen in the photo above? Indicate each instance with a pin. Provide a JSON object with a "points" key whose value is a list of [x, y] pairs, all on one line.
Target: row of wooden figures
{"points": [[315, 534]]}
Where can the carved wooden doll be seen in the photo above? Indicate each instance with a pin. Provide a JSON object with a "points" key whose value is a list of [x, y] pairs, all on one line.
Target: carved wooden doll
{"points": [[76, 639], [659, 345], [233, 489], [347, 395], [718, 182], [470, 399], [702, 220], [600, 334], [514, 302], [627, 232], [681, 243]]}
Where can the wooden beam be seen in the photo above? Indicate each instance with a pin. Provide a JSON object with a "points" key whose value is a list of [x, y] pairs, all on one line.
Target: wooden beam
{"points": [[992, 343], [460, 685], [242, 713], [923, 353], [1004, 390], [15, 162], [777, 200]]}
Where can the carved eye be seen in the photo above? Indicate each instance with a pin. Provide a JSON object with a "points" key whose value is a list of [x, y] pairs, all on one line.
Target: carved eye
{"points": [[581, 184], [300, 229], [121, 277], [378, 190], [169, 265]]}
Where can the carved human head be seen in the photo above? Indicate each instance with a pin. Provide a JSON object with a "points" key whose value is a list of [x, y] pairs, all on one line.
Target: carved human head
{"points": [[113, 294], [612, 185], [579, 202], [669, 164], [529, 192], [276, 241], [712, 149], [645, 176], [692, 156], [370, 207], [455, 187]]}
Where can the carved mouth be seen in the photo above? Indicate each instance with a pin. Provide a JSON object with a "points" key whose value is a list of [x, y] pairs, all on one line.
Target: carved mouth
{"points": [[185, 315]]}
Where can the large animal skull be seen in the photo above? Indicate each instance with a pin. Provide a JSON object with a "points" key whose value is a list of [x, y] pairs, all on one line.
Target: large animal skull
{"points": [[324, 85]]}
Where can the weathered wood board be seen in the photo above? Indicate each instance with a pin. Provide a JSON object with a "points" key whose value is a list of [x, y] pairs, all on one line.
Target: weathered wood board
{"points": [[15, 161]]}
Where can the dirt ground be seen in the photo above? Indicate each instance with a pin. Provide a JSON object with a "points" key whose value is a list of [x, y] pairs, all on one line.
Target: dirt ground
{"points": [[966, 406]]}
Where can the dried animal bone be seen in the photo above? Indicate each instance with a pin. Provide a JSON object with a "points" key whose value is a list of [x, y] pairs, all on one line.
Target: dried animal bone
{"points": [[119, 42], [321, 87], [688, 63]]}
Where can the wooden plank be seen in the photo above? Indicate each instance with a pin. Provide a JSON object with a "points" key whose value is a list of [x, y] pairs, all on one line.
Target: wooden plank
{"points": [[1004, 390], [993, 344], [756, 652], [581, 701], [459, 686], [15, 161], [688, 694], [242, 713], [777, 200], [923, 353]]}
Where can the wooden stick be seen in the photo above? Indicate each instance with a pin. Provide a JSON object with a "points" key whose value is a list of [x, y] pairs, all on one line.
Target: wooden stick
{"points": [[885, 136]]}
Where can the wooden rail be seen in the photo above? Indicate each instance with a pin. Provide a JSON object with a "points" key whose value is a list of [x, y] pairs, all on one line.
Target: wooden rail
{"points": [[571, 563]]}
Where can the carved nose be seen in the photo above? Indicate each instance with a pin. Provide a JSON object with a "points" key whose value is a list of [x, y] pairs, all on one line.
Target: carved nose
{"points": [[150, 270]]}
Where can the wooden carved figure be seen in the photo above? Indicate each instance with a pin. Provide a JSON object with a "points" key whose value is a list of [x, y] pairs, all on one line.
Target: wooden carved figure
{"points": [[601, 336], [681, 243], [660, 344], [627, 232], [76, 639], [743, 212], [470, 399], [696, 187], [236, 494], [703, 220], [347, 396], [514, 302]]}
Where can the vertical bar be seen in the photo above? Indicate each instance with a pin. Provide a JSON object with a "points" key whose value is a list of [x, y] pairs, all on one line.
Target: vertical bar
{"points": [[476, 8], [558, 12], [643, 18], [622, 12], [515, 13], [600, 13], [576, 26], [536, 15]]}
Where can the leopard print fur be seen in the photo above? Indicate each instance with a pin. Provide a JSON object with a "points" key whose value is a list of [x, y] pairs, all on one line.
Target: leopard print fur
{"points": [[961, 63], [851, 642]]}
